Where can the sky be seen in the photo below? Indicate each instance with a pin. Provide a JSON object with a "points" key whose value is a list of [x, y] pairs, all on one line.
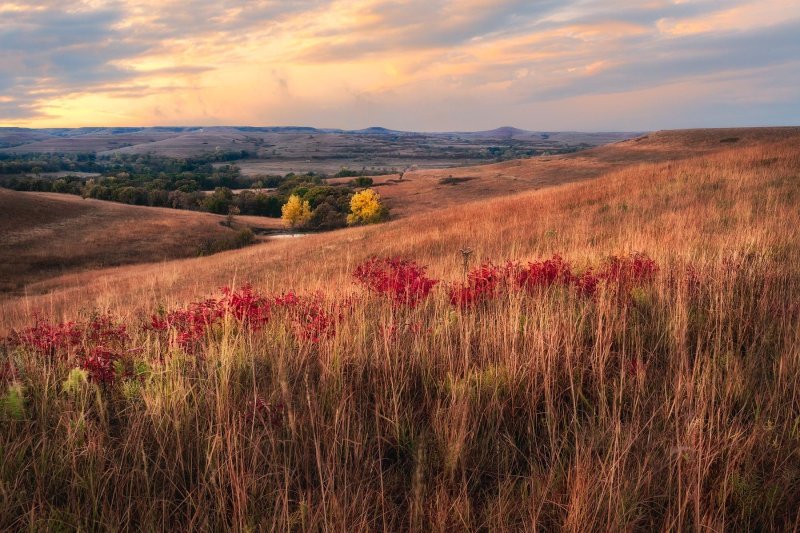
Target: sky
{"points": [[424, 65]]}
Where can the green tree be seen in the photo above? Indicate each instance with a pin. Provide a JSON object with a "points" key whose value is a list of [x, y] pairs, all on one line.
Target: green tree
{"points": [[219, 201], [362, 181]]}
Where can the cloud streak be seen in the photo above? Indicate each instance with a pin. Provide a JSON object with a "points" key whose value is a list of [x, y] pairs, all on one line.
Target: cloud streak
{"points": [[413, 64]]}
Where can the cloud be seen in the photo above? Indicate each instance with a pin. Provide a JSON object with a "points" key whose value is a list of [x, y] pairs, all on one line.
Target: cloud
{"points": [[428, 64], [658, 63], [58, 48]]}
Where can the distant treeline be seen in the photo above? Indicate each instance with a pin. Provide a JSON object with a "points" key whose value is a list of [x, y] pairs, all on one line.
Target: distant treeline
{"points": [[140, 164], [158, 181]]}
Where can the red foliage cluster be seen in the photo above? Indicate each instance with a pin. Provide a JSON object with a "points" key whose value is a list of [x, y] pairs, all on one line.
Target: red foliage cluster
{"points": [[96, 344], [631, 269], [191, 323], [48, 339], [556, 271], [100, 364], [311, 320], [101, 342], [106, 342], [287, 299], [308, 314], [247, 306], [586, 284], [482, 284], [264, 413], [403, 281], [544, 273], [104, 330]]}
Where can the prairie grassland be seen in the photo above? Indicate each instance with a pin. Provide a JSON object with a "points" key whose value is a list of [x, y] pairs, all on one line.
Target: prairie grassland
{"points": [[662, 403], [449, 187], [47, 234]]}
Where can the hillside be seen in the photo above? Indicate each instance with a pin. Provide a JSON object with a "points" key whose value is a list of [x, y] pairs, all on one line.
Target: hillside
{"points": [[420, 198], [529, 223], [636, 370], [284, 141], [438, 188], [43, 235], [281, 150], [46, 235]]}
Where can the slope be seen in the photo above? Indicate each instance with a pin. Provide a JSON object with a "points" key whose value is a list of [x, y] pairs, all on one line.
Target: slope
{"points": [[44, 235]]}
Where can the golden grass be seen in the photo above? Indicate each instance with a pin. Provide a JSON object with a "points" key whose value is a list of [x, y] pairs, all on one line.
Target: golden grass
{"points": [[43, 235], [670, 407], [423, 190]]}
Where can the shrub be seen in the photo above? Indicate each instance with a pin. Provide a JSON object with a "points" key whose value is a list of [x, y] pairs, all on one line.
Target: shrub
{"points": [[481, 285], [544, 273], [362, 181], [401, 280], [96, 344]]}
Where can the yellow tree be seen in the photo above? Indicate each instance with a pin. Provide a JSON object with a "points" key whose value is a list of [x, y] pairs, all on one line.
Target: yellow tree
{"points": [[296, 212], [365, 208]]}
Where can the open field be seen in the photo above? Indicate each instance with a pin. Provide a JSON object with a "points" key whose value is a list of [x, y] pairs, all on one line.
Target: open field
{"points": [[260, 167], [43, 235], [278, 151], [527, 223], [78, 235], [664, 398], [432, 189]]}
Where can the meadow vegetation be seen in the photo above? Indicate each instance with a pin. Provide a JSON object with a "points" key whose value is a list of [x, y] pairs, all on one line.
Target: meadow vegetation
{"points": [[618, 354], [44, 235]]}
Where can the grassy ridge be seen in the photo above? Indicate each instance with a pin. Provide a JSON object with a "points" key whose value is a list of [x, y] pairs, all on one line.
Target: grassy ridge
{"points": [[46, 234], [668, 403]]}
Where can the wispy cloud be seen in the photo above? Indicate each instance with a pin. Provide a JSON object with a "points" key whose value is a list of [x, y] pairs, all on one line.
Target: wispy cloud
{"points": [[417, 64]]}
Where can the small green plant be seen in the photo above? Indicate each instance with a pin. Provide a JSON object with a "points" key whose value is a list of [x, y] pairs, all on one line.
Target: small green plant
{"points": [[12, 403], [77, 380]]}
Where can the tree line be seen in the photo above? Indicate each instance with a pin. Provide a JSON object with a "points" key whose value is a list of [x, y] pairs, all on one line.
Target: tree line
{"points": [[190, 183]]}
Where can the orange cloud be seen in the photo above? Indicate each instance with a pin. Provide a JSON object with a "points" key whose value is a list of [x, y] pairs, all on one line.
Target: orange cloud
{"points": [[270, 61]]}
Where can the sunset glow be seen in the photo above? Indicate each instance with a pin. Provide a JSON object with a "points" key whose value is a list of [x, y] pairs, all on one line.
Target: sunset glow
{"points": [[413, 64]]}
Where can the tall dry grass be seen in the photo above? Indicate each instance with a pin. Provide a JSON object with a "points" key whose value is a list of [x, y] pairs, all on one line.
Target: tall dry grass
{"points": [[671, 405]]}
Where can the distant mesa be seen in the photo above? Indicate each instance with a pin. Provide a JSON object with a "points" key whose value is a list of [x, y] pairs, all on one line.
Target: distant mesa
{"points": [[505, 132], [376, 130]]}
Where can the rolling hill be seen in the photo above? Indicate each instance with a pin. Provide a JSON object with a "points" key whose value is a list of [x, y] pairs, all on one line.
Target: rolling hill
{"points": [[434, 220], [636, 369], [303, 148], [43, 235], [424, 189]]}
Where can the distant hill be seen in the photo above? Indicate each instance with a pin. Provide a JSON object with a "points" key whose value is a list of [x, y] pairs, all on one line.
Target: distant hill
{"points": [[505, 132], [378, 131], [195, 140], [428, 189]]}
